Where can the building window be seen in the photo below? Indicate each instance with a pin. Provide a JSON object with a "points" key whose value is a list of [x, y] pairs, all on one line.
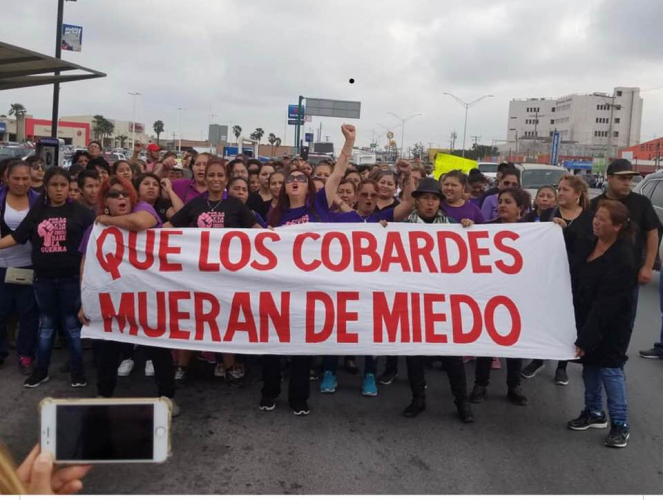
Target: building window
{"points": [[619, 93], [552, 122], [553, 110], [618, 107], [615, 134], [616, 120]]}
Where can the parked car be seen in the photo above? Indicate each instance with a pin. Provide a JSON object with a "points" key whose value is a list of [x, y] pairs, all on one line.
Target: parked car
{"points": [[14, 152], [489, 170], [535, 175]]}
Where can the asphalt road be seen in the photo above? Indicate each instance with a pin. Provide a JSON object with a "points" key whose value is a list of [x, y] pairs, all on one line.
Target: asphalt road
{"points": [[351, 444]]}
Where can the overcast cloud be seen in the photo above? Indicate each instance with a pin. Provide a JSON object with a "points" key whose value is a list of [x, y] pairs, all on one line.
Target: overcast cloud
{"points": [[247, 60]]}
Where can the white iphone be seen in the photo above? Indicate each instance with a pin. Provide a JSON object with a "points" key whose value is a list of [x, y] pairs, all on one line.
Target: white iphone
{"points": [[89, 431]]}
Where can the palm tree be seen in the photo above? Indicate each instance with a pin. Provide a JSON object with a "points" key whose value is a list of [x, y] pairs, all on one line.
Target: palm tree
{"points": [[271, 139], [237, 130], [17, 110], [257, 135], [122, 139], [158, 129], [102, 127]]}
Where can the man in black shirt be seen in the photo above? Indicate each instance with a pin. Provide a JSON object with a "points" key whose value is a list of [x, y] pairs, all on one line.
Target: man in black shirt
{"points": [[643, 217]]}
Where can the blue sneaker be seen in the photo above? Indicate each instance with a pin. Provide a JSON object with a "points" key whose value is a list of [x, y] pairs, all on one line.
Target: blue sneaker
{"points": [[369, 388], [328, 385]]}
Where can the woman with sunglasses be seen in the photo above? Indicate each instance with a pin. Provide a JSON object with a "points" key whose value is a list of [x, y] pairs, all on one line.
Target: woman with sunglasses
{"points": [[16, 199], [37, 172], [213, 210], [298, 203], [55, 226], [118, 202]]}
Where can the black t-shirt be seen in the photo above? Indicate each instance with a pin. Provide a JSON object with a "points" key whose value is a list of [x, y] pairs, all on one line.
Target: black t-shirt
{"points": [[578, 232], [201, 212], [393, 204], [257, 204], [642, 216], [161, 207], [55, 233]]}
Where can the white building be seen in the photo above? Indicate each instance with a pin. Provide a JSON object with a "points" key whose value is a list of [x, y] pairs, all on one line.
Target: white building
{"points": [[122, 128], [588, 124]]}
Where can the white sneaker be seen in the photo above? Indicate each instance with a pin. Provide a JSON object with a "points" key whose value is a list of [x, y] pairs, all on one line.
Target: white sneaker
{"points": [[124, 370], [220, 370], [180, 373], [149, 369]]}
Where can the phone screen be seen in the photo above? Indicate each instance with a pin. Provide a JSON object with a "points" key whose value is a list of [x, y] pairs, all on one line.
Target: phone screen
{"points": [[105, 432]]}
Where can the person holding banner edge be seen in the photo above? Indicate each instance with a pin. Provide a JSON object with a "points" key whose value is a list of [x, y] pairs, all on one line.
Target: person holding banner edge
{"points": [[298, 203], [119, 205]]}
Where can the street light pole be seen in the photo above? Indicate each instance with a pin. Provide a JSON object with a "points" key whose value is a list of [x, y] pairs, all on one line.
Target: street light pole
{"points": [[133, 124], [403, 120], [467, 106], [179, 129], [56, 85]]}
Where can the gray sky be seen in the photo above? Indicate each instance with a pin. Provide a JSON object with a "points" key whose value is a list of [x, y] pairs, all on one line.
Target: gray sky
{"points": [[247, 60]]}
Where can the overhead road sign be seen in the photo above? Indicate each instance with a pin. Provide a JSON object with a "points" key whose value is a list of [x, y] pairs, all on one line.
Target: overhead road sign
{"points": [[333, 108]]}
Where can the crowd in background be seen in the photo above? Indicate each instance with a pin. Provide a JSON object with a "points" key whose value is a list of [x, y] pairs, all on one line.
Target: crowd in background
{"points": [[46, 218]]}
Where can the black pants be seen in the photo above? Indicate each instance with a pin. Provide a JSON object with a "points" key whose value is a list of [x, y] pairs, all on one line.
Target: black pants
{"points": [[391, 366], [455, 371], [513, 367], [561, 365], [109, 356], [330, 364], [300, 371]]}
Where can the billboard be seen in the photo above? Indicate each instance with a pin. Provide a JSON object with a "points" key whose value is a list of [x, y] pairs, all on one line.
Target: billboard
{"points": [[140, 128], [293, 111], [554, 154], [72, 37], [332, 108], [218, 134]]}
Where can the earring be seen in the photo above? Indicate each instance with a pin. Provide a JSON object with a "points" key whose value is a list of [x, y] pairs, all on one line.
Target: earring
{"points": [[106, 211]]}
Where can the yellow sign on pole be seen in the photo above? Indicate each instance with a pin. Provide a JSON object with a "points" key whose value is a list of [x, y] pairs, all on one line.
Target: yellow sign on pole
{"points": [[446, 163]]}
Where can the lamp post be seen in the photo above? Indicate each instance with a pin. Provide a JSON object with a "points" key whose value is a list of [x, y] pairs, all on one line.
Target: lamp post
{"points": [[403, 120], [58, 55], [133, 123], [179, 129], [467, 105]]}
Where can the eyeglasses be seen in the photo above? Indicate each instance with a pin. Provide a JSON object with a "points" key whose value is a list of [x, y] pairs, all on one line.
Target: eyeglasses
{"points": [[296, 178], [509, 184], [368, 195], [37, 166], [116, 194]]}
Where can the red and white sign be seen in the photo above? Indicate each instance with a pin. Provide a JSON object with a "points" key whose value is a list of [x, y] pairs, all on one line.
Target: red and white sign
{"points": [[408, 289]]}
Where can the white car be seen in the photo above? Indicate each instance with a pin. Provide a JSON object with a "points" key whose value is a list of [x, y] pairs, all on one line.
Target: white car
{"points": [[489, 170], [536, 175]]}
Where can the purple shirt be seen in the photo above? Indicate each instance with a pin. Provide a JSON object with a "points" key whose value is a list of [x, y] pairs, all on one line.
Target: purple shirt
{"points": [[489, 208], [466, 211], [186, 189], [140, 207], [354, 216], [302, 215]]}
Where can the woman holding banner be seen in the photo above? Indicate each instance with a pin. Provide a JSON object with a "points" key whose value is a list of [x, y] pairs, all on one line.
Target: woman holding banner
{"points": [[428, 198], [298, 203], [603, 294], [212, 210], [118, 202], [512, 203]]}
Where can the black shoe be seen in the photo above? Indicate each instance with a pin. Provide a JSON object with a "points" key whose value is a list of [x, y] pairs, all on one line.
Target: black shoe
{"points": [[415, 408], [652, 354], [588, 420], [478, 394], [313, 374], [618, 437], [532, 369], [516, 396], [66, 368], [37, 378], [350, 366], [267, 404], [300, 408], [78, 380], [561, 378], [465, 412], [387, 377]]}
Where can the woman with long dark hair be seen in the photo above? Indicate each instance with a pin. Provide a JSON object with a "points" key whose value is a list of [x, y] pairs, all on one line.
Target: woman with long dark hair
{"points": [[298, 203], [603, 283], [55, 226], [16, 199]]}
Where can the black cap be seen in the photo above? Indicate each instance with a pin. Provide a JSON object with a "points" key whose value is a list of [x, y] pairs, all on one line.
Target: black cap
{"points": [[428, 185], [621, 167]]}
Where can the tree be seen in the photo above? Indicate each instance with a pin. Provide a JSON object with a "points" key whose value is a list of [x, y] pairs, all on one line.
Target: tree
{"points": [[418, 150], [271, 139], [102, 127], [237, 130], [257, 135], [122, 139], [17, 110], [158, 129]]}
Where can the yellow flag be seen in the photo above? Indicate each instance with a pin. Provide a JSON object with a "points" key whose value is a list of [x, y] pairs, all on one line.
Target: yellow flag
{"points": [[446, 163]]}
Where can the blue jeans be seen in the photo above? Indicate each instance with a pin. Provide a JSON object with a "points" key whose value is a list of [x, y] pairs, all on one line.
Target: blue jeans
{"points": [[21, 300], [659, 345], [614, 383], [59, 301]]}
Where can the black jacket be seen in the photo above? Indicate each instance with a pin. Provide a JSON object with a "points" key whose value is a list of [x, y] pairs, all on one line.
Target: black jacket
{"points": [[602, 298]]}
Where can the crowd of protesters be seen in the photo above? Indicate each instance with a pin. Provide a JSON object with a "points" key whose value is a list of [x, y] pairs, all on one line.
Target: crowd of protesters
{"points": [[46, 219]]}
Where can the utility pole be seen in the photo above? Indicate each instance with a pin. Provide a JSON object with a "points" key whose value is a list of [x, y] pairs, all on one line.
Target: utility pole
{"points": [[466, 105], [179, 128], [536, 116], [133, 124], [452, 142], [56, 85]]}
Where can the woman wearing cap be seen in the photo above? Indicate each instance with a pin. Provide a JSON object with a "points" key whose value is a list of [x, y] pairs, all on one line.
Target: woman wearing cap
{"points": [[454, 184], [428, 198], [298, 203], [512, 203]]}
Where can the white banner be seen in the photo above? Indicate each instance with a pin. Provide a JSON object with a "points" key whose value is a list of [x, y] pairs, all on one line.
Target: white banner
{"points": [[408, 289]]}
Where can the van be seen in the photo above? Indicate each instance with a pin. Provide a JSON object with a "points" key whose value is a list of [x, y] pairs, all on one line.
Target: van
{"points": [[536, 175]]}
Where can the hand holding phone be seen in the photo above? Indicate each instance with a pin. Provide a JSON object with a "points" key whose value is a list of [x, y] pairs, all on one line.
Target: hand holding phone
{"points": [[40, 477], [88, 431]]}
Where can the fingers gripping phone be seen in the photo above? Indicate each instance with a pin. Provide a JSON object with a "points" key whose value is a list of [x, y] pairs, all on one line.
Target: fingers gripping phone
{"points": [[106, 430]]}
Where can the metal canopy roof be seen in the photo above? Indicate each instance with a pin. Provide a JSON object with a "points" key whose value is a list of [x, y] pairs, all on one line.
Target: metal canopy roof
{"points": [[20, 67]]}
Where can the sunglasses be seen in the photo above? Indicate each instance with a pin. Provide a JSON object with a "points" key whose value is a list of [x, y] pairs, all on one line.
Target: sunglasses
{"points": [[368, 195], [114, 194], [509, 184], [37, 166], [296, 178]]}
